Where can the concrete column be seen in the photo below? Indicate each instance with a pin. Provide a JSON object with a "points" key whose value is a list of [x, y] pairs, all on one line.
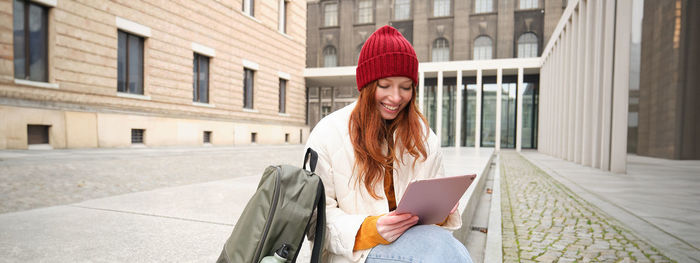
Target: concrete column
{"points": [[595, 88], [333, 99], [559, 101], [421, 90], [580, 57], [519, 118], [623, 29], [588, 84], [499, 82], [477, 133], [320, 107], [458, 114], [606, 87], [566, 84], [438, 114], [571, 69]]}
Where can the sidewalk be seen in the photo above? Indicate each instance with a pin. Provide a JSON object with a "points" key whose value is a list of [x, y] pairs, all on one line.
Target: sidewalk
{"points": [[187, 223], [658, 199]]}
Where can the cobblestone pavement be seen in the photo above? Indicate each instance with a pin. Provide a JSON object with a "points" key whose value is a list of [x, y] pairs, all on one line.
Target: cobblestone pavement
{"points": [[33, 179], [543, 221]]}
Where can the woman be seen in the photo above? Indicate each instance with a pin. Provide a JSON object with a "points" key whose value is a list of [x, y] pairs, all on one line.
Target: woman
{"points": [[368, 153]]}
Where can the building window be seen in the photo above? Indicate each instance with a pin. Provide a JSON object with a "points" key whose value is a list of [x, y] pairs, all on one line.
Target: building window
{"points": [[441, 50], [38, 134], [130, 63], [441, 8], [283, 95], [286, 138], [358, 51], [248, 7], [364, 11], [248, 81], [253, 137], [325, 110], [330, 14], [207, 137], [200, 85], [137, 135], [402, 9], [527, 45], [283, 16], [483, 48], [528, 4], [30, 26], [483, 6], [330, 57]]}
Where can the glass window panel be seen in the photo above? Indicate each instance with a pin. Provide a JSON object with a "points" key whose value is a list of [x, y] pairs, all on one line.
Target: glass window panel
{"points": [[483, 48], [121, 62], [195, 69], [364, 14], [19, 41], [483, 6], [527, 45], [430, 102], [330, 57], [248, 89], [203, 79], [441, 50], [449, 102], [402, 9], [135, 64], [528, 4], [330, 14], [441, 7], [529, 129], [468, 114], [38, 39], [508, 110], [488, 115]]}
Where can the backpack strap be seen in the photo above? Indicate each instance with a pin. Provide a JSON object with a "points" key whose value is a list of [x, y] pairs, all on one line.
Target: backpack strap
{"points": [[319, 235], [310, 153]]}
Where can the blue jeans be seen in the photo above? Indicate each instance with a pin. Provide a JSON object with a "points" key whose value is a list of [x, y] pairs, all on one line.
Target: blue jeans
{"points": [[423, 243]]}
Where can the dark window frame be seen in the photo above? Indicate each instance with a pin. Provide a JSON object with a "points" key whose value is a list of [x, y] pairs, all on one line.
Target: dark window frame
{"points": [[197, 82], [38, 134], [138, 136], [27, 39], [206, 137], [248, 88], [283, 95], [127, 63]]}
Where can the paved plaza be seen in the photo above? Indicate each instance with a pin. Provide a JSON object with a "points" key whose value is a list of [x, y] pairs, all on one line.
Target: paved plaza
{"points": [[543, 221]]}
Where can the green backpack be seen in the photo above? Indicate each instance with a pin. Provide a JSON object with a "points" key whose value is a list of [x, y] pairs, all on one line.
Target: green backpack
{"points": [[280, 213]]}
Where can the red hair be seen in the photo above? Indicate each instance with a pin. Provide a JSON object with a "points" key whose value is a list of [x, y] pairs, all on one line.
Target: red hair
{"points": [[370, 134]]}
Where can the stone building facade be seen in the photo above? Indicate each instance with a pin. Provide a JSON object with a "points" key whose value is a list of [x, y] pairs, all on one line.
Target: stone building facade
{"points": [[80, 74], [440, 30]]}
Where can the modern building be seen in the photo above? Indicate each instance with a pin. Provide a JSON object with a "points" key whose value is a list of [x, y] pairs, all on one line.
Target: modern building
{"points": [[77, 74], [467, 36]]}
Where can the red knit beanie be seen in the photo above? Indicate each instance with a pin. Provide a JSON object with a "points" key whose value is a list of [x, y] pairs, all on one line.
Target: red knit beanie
{"points": [[386, 53]]}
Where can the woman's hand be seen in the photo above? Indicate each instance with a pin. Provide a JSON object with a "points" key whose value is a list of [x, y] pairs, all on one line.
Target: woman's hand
{"points": [[391, 226]]}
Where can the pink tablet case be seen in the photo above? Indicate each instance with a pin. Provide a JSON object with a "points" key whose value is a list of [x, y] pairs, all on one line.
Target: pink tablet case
{"points": [[433, 199]]}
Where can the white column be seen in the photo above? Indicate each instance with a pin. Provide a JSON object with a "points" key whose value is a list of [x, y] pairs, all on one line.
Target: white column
{"points": [[606, 102], [438, 115], [421, 90], [519, 118], [580, 57], [588, 85], [477, 126], [571, 69], [499, 82], [458, 114], [597, 76], [623, 27], [566, 45]]}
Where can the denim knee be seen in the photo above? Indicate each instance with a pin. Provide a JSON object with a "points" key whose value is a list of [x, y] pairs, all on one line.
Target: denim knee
{"points": [[424, 243]]}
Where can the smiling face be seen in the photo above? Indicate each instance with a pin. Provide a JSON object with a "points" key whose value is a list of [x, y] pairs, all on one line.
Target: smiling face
{"points": [[392, 95]]}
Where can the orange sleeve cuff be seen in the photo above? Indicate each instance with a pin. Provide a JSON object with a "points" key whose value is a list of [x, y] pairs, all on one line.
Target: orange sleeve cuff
{"points": [[368, 237]]}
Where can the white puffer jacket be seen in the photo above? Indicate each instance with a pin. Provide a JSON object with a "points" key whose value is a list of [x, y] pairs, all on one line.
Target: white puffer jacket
{"points": [[347, 203]]}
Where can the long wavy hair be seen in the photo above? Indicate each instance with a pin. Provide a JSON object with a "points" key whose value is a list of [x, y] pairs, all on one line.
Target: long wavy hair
{"points": [[372, 137]]}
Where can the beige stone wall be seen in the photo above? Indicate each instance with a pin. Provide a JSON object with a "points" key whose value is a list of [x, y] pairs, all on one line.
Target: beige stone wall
{"points": [[83, 64]]}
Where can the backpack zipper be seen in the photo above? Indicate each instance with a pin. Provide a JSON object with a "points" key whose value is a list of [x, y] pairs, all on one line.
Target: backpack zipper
{"points": [[273, 207]]}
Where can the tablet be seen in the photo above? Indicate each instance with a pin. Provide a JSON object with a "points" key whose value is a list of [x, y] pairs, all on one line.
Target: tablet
{"points": [[433, 199]]}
